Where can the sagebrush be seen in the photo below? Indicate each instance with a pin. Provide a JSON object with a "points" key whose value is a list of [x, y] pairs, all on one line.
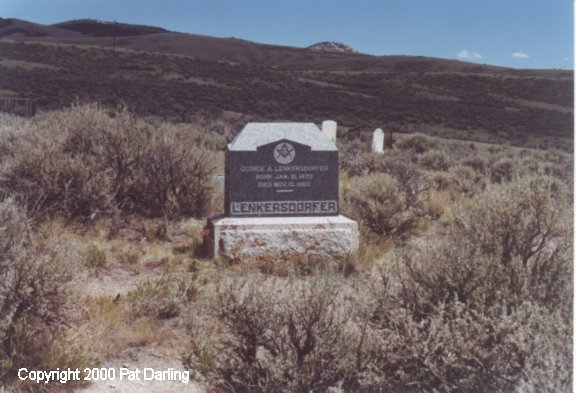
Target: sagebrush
{"points": [[86, 162]]}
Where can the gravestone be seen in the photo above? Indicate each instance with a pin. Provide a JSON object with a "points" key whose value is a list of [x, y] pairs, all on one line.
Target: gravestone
{"points": [[281, 170], [329, 128], [281, 195], [378, 141]]}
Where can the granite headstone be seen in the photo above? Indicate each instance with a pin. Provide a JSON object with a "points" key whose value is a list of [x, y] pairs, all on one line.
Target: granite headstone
{"points": [[281, 170], [281, 196]]}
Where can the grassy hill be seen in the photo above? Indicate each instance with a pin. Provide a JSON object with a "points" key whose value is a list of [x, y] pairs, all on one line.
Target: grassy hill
{"points": [[181, 76]]}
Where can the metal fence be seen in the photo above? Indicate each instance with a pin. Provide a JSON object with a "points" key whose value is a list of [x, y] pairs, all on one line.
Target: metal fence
{"points": [[18, 106]]}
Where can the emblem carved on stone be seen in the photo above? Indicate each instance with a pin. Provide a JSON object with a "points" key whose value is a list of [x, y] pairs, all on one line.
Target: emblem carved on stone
{"points": [[284, 153]]}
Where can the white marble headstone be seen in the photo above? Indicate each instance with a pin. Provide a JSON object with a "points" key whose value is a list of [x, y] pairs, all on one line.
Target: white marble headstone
{"points": [[329, 129], [378, 141]]}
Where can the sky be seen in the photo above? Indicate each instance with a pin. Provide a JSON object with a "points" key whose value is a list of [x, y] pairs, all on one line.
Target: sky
{"points": [[511, 33]]}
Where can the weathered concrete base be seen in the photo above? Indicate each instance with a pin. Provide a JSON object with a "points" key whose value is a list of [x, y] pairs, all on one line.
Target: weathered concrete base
{"points": [[332, 237]]}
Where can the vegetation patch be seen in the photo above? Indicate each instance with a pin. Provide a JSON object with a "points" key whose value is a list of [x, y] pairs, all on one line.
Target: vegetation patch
{"points": [[462, 282]]}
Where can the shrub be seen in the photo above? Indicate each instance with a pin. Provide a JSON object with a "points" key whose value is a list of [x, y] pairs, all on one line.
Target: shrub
{"points": [[457, 348], [405, 172], [564, 172], [524, 226], [161, 298], [435, 160], [174, 177], [358, 164], [34, 275], [459, 180], [355, 158], [466, 181], [289, 335], [418, 143], [379, 203], [503, 170], [469, 309], [84, 162], [95, 258], [477, 163], [509, 245], [545, 337], [529, 165], [485, 306], [10, 128]]}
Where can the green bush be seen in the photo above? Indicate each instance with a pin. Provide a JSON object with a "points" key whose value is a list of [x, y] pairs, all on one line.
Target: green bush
{"points": [[407, 174], [289, 334], [417, 143], [503, 170], [456, 348], [460, 180], [85, 162], [378, 202], [161, 298], [173, 179], [355, 158], [470, 309], [507, 246], [435, 160], [34, 293], [524, 225], [477, 163]]}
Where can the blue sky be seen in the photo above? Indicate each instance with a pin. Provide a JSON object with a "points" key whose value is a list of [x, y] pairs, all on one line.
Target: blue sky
{"points": [[513, 33]]}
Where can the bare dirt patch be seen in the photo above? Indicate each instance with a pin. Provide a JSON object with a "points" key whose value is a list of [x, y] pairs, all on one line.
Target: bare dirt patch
{"points": [[129, 342]]}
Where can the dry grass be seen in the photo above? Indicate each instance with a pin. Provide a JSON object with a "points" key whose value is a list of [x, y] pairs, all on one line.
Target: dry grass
{"points": [[110, 328]]}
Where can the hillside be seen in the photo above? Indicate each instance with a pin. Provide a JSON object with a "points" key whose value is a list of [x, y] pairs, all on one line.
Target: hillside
{"points": [[246, 52], [10, 27], [329, 56], [181, 76], [95, 28]]}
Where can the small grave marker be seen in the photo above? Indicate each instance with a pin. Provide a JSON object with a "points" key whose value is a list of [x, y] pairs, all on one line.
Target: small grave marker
{"points": [[329, 128], [378, 141]]}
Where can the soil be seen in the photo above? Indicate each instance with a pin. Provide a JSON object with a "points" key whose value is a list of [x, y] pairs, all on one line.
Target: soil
{"points": [[139, 359], [117, 280]]}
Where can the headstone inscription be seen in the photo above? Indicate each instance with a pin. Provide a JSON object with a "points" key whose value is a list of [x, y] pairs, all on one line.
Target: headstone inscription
{"points": [[281, 170]]}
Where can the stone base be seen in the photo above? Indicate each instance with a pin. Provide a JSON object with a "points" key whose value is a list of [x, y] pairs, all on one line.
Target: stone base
{"points": [[332, 237]]}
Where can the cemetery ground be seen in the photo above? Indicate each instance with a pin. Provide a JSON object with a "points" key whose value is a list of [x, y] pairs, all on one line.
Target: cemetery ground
{"points": [[462, 283]]}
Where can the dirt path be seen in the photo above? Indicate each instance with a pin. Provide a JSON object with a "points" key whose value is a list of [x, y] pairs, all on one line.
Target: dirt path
{"points": [[136, 363]]}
